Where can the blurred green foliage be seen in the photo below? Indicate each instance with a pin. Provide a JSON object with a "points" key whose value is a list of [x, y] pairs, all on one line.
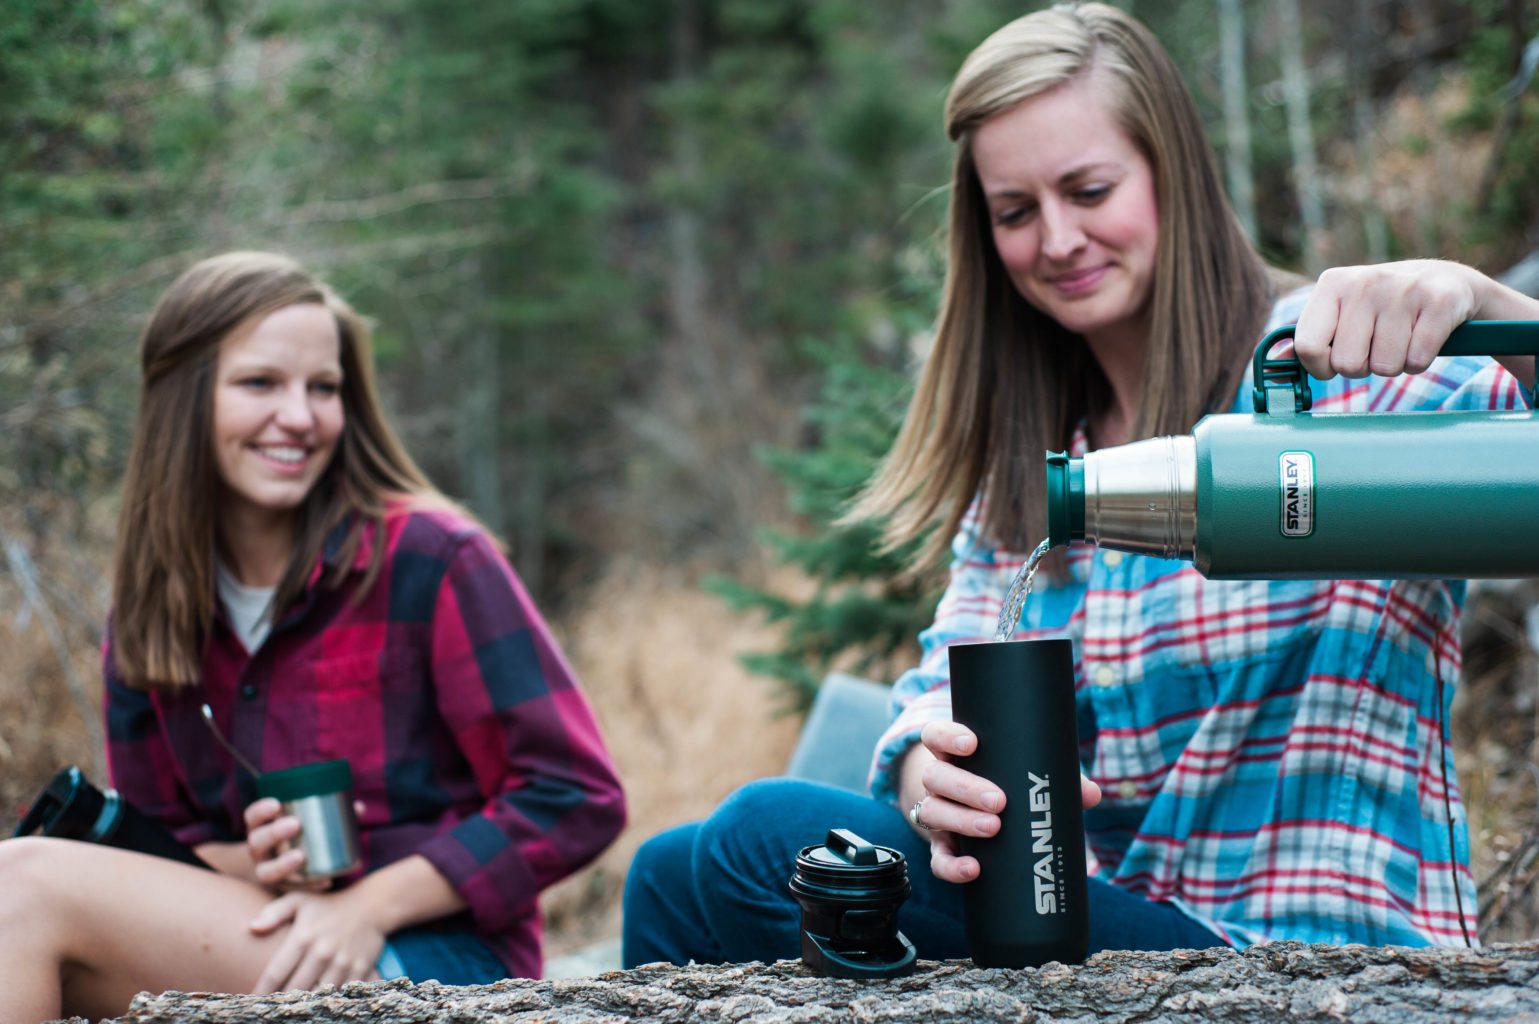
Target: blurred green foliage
{"points": [[613, 248]]}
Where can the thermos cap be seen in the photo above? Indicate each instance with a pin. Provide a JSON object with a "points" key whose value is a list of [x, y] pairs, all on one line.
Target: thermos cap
{"points": [[847, 867], [850, 891], [1065, 499], [305, 780]]}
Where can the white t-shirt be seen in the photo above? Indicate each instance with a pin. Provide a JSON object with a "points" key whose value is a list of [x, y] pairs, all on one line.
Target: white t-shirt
{"points": [[248, 608]]}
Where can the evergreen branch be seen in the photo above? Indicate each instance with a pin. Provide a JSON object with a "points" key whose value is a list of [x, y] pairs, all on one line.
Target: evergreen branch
{"points": [[333, 210]]}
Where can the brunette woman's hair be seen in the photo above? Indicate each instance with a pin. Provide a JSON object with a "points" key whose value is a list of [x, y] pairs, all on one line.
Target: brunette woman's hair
{"points": [[163, 592], [1004, 383]]}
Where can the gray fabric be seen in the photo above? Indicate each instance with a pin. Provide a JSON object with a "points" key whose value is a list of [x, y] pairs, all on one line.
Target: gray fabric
{"points": [[841, 731]]}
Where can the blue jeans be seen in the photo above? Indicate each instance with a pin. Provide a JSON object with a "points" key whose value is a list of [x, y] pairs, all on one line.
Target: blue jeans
{"points": [[715, 891], [447, 957]]}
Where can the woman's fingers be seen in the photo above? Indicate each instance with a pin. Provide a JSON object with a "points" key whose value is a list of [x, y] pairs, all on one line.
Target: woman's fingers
{"points": [[275, 914], [261, 812], [1316, 327], [1387, 319], [265, 839], [1353, 343], [276, 859], [1389, 352], [280, 869], [941, 815], [280, 967], [959, 801], [947, 865], [947, 739], [307, 973], [960, 786], [343, 969]]}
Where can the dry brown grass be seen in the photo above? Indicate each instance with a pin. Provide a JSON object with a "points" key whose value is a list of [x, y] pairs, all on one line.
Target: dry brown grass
{"points": [[685, 723], [1496, 739], [41, 727], [47, 640]]}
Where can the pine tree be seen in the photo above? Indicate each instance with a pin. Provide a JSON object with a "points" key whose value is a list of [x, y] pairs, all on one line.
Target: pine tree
{"points": [[867, 609]]}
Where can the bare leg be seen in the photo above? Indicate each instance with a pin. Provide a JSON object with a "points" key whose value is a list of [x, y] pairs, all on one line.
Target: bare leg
{"points": [[83, 928]]}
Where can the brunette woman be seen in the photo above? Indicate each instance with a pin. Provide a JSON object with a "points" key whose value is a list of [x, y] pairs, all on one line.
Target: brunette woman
{"points": [[282, 559]]}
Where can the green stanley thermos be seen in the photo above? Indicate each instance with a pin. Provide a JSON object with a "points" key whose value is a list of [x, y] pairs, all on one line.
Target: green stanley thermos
{"points": [[1284, 494]]}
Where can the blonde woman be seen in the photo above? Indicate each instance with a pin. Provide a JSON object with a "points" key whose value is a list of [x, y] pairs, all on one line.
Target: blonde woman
{"points": [[282, 559], [1262, 760]]}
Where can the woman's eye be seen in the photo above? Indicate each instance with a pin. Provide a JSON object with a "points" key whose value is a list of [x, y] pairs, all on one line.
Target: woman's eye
{"points": [[327, 388], [1093, 193], [1013, 216], [256, 383]]}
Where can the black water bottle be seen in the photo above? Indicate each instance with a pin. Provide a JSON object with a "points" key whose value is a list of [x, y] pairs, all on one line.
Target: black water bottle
{"points": [[1028, 905]]}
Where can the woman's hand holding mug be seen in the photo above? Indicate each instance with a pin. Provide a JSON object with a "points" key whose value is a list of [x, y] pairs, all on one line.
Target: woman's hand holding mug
{"points": [[277, 859], [944, 800]]}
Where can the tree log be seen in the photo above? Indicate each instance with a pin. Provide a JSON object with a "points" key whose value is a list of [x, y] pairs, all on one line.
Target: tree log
{"points": [[1264, 984]]}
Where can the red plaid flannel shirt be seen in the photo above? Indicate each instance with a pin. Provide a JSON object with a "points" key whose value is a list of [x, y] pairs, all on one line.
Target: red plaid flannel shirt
{"points": [[469, 740]]}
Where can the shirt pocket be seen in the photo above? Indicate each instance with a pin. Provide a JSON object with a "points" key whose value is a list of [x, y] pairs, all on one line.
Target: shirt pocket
{"points": [[360, 702]]}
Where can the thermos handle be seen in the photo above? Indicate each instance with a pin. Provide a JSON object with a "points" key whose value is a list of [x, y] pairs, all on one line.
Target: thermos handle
{"points": [[1474, 338]]}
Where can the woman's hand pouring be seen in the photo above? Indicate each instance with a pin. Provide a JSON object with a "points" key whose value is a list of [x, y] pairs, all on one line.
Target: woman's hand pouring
{"points": [[1393, 318]]}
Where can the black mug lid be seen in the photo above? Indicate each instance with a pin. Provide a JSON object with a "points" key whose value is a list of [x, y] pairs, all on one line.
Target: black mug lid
{"points": [[845, 849], [846, 868]]}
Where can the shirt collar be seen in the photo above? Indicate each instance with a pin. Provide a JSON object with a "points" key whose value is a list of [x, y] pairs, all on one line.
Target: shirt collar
{"points": [[332, 549]]}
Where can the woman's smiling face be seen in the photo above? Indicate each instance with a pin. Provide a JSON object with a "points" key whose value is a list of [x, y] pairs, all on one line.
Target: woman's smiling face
{"points": [[1071, 201], [277, 408]]}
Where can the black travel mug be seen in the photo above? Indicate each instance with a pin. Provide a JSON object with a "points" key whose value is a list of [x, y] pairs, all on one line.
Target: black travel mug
{"points": [[1028, 905]]}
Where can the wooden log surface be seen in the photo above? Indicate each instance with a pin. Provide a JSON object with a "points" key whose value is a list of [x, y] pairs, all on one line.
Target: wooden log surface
{"points": [[1284, 981]]}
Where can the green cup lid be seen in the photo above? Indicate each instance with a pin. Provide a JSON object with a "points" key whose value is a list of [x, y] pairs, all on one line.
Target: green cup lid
{"points": [[305, 780]]}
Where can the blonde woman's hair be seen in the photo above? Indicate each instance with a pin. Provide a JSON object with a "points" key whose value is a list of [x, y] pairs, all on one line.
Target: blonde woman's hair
{"points": [[163, 592], [1005, 383]]}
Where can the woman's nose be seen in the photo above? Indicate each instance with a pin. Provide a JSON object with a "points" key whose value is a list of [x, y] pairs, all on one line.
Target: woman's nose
{"points": [[294, 409], [1062, 235]]}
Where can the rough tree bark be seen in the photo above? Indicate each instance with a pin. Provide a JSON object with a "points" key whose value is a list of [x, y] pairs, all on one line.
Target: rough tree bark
{"points": [[1283, 981]]}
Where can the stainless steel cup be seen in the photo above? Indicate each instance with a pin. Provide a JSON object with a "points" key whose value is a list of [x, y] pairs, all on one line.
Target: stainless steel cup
{"points": [[321, 796]]}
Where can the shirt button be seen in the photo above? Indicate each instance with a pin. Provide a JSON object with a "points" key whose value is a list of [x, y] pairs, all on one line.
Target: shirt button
{"points": [[1112, 559], [1127, 789], [248, 691], [1105, 675]]}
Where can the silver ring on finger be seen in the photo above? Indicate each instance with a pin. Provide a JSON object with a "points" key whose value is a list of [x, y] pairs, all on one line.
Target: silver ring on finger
{"points": [[913, 815]]}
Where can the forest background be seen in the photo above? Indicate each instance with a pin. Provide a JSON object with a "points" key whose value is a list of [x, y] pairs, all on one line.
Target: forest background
{"points": [[650, 280]]}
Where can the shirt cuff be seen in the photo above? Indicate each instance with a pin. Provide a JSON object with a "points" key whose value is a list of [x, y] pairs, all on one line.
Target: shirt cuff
{"points": [[902, 734], [485, 867]]}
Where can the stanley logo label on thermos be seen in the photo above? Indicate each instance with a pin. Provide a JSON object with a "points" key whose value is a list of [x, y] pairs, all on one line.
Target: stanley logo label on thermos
{"points": [[1046, 869], [1297, 471]]}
